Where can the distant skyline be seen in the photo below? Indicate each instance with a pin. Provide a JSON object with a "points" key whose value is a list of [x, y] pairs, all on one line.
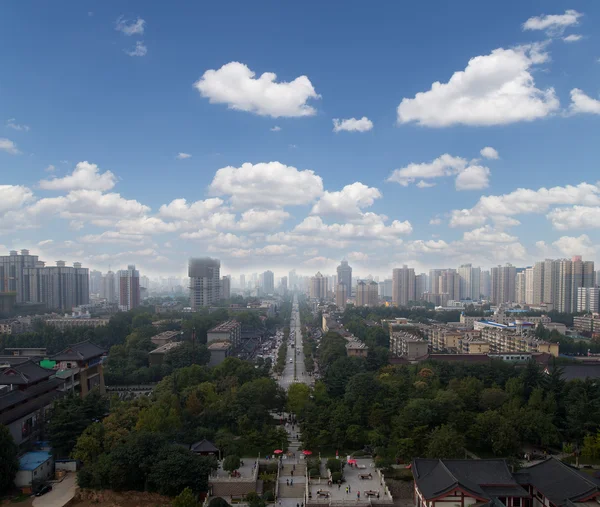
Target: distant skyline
{"points": [[293, 136]]}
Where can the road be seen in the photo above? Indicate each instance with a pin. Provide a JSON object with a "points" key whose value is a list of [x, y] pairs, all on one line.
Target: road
{"points": [[295, 353], [62, 493]]}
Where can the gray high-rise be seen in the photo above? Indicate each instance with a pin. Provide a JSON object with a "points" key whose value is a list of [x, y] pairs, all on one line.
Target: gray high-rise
{"points": [[205, 282], [344, 275]]}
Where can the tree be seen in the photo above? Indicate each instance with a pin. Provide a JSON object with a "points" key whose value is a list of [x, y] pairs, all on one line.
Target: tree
{"points": [[446, 442], [9, 464], [298, 397], [66, 424], [187, 499], [218, 502], [254, 500], [231, 463], [90, 444]]}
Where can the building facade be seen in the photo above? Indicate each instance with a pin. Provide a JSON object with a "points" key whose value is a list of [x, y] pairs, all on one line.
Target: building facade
{"points": [[129, 288], [344, 275], [403, 286], [341, 295], [318, 286], [205, 282]]}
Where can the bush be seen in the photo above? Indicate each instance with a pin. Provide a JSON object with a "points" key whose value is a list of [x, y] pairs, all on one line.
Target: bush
{"points": [[358, 454], [314, 472], [269, 496], [337, 476], [231, 463], [218, 502], [272, 468], [335, 465]]}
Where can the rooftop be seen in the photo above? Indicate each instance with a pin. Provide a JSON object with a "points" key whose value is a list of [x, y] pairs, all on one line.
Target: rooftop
{"points": [[24, 373], [165, 335], [166, 348], [225, 327], [32, 460], [82, 351], [219, 346], [356, 345]]}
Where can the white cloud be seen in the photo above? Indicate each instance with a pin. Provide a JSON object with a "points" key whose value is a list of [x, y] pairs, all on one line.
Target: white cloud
{"points": [[488, 234], [85, 176], [576, 217], [490, 153], [140, 49], [266, 184], [45, 242], [145, 225], [50, 169], [445, 165], [347, 202], [435, 221], [221, 240], [11, 123], [13, 197], [358, 256], [573, 38], [276, 128], [554, 23], [113, 237], [424, 184], [130, 27], [183, 156], [494, 89], [350, 231], [525, 201], [8, 146], [569, 246], [311, 252], [474, 177], [235, 84], [179, 209], [352, 125], [262, 220], [582, 103]]}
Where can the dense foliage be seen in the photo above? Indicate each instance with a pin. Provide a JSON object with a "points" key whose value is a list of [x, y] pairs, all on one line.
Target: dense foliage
{"points": [[9, 464]]}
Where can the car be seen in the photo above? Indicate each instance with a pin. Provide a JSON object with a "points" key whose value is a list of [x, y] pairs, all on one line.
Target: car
{"points": [[43, 490], [291, 360]]}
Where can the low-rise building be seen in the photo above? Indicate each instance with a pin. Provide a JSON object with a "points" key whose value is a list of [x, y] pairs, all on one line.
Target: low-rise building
{"points": [[26, 351], [80, 366], [587, 323], [513, 338], [34, 468], [356, 349], [162, 338], [330, 323], [230, 331], [407, 345], [219, 351], [69, 322], [156, 357]]}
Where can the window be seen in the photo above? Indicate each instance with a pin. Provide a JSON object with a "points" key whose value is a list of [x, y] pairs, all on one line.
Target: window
{"points": [[516, 502]]}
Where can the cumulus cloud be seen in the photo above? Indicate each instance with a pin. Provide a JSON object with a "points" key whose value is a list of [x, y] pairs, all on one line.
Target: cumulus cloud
{"points": [[488, 234], [575, 217], [347, 202], [352, 125], [179, 209], [435, 221], [350, 231], [235, 84], [266, 184], [13, 197], [582, 103], [525, 201], [581, 245], [494, 89], [113, 237], [262, 220], [139, 49], [490, 153], [358, 256], [85, 176], [8, 146], [474, 177], [12, 123], [130, 27], [573, 38], [183, 156], [276, 128], [553, 23], [425, 184]]}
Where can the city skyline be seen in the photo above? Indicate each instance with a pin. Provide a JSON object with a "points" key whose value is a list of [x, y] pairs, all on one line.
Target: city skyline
{"points": [[274, 156]]}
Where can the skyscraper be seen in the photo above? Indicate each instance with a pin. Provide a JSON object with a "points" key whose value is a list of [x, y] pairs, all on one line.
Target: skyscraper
{"points": [[529, 285], [572, 274], [95, 282], [243, 282], [434, 280], [129, 288], [503, 284], [470, 280], [226, 287], [420, 286], [485, 285], [588, 299], [520, 287], [344, 275], [318, 286], [109, 287], [292, 280], [11, 273], [341, 295], [403, 286], [284, 284], [205, 281], [450, 284], [268, 282]]}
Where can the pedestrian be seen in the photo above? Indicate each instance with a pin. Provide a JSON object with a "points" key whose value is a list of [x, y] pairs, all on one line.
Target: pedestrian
{"points": [[378, 495], [349, 488], [287, 482], [358, 495], [294, 467], [346, 489], [292, 473], [291, 482], [297, 505], [339, 485]]}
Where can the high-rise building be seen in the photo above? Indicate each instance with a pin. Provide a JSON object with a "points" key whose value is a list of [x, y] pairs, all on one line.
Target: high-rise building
{"points": [[344, 275], [385, 289], [403, 286], [521, 287], [470, 280], [367, 293], [292, 280], [485, 285], [129, 288], [572, 274], [420, 286], [318, 286], [341, 295], [503, 284], [588, 299], [551, 277], [434, 280], [449, 283], [11, 273], [109, 287], [205, 282], [284, 284], [268, 282], [226, 287], [95, 282], [529, 285], [243, 282]]}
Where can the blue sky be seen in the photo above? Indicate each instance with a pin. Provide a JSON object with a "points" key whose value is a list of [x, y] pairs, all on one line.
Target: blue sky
{"points": [[97, 99]]}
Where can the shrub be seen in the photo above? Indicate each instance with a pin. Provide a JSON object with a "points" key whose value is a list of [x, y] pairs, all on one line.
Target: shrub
{"points": [[272, 468], [314, 472], [269, 496], [336, 476], [335, 465]]}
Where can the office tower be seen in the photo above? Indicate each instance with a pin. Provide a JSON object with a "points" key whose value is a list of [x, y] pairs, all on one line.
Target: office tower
{"points": [[11, 273], [434, 280], [268, 282], [449, 283], [420, 286], [598, 278], [403, 286], [109, 287], [129, 288], [226, 287], [344, 275], [485, 284], [529, 285], [243, 282], [503, 284], [521, 287], [588, 299], [318, 286], [341, 295], [284, 284], [205, 281], [292, 280], [95, 282]]}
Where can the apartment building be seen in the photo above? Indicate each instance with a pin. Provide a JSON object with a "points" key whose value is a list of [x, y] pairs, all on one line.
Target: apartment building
{"points": [[318, 286], [367, 293], [205, 282], [513, 338], [230, 331], [80, 366], [403, 286], [407, 345]]}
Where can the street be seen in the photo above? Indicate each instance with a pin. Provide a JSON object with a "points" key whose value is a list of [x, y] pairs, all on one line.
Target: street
{"points": [[295, 353]]}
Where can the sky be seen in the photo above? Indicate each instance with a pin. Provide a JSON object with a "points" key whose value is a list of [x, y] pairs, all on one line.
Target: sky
{"points": [[278, 135]]}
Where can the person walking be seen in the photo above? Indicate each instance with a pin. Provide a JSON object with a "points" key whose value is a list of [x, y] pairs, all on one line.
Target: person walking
{"points": [[349, 488], [287, 482], [358, 495]]}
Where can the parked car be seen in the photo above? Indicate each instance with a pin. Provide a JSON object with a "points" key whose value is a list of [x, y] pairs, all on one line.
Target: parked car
{"points": [[43, 490]]}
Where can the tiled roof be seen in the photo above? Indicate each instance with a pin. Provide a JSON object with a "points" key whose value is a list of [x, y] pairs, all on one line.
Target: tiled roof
{"points": [[23, 373], [17, 396], [203, 446], [580, 371], [82, 351]]}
